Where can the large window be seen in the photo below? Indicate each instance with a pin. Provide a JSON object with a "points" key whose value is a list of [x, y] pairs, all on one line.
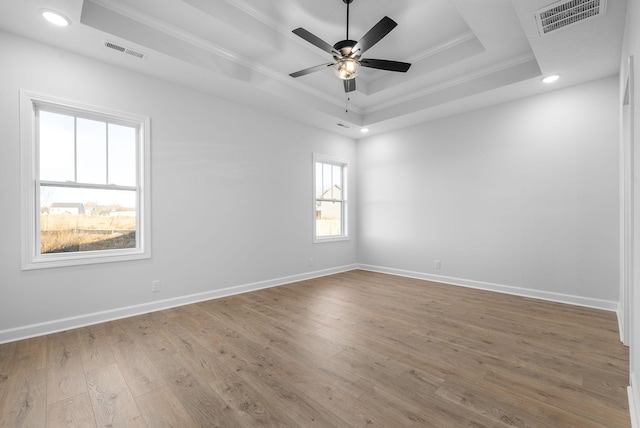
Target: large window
{"points": [[330, 200], [85, 184]]}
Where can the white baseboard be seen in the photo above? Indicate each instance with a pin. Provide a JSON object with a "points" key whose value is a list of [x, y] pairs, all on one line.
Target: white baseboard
{"points": [[621, 326], [634, 402], [24, 332], [500, 288]]}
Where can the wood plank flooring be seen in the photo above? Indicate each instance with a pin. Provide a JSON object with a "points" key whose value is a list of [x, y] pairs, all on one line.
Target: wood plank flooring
{"points": [[349, 350]]}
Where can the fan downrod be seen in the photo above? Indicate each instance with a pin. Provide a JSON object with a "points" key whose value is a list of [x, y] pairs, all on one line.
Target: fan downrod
{"points": [[347, 2]]}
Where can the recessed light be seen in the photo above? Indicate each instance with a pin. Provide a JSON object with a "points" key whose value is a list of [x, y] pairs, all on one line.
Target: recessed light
{"points": [[56, 18], [364, 130], [551, 79]]}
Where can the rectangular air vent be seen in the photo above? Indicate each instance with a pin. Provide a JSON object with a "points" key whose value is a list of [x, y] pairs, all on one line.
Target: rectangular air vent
{"points": [[562, 14], [123, 49]]}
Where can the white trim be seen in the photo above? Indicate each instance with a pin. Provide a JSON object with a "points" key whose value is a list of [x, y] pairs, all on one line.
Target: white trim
{"points": [[443, 47], [208, 46], [500, 288], [344, 200], [626, 167], [634, 402], [25, 332], [330, 239], [31, 257], [456, 81], [621, 327]]}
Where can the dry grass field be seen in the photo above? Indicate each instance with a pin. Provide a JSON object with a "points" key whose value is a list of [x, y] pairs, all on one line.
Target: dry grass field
{"points": [[69, 233]]}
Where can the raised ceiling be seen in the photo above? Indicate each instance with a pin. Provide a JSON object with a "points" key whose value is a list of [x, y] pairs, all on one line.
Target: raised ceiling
{"points": [[466, 54]]}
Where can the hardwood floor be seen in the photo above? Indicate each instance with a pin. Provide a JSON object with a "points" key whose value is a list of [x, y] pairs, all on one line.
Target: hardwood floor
{"points": [[348, 350]]}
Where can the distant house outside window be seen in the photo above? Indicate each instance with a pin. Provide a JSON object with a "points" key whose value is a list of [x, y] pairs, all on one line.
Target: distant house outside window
{"points": [[85, 184], [330, 199]]}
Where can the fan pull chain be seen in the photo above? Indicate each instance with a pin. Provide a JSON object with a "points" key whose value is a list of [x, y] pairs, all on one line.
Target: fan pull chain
{"points": [[346, 103]]}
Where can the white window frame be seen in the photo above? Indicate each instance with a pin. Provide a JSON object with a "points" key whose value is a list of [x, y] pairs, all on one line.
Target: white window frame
{"points": [[344, 199], [30, 184]]}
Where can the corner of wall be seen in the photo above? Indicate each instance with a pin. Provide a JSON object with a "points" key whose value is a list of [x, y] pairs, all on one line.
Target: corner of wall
{"points": [[634, 402], [605, 305]]}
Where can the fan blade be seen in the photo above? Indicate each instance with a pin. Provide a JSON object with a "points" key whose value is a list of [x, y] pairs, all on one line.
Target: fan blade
{"points": [[314, 40], [377, 32], [310, 70], [384, 64], [349, 85]]}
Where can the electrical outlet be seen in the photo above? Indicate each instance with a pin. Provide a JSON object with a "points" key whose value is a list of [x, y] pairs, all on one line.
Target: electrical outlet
{"points": [[437, 264], [155, 285], [310, 261]]}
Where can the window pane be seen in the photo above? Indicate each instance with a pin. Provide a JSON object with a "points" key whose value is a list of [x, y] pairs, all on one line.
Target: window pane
{"points": [[319, 191], [336, 188], [328, 219], [337, 179], [327, 181], [122, 155], [91, 151], [80, 219], [56, 147]]}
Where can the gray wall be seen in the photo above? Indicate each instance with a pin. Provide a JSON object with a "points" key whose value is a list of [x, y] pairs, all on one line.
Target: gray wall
{"points": [[231, 197], [521, 197]]}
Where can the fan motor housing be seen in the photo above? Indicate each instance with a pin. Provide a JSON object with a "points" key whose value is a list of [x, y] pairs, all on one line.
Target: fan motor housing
{"points": [[344, 47]]}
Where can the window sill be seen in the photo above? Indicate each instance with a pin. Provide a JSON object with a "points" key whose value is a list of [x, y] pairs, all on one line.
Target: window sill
{"points": [[331, 239], [58, 260]]}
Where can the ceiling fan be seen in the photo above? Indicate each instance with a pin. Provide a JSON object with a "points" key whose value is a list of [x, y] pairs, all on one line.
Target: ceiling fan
{"points": [[347, 54]]}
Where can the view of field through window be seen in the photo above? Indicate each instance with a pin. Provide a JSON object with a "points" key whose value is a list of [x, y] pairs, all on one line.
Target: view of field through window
{"points": [[95, 220], [87, 186]]}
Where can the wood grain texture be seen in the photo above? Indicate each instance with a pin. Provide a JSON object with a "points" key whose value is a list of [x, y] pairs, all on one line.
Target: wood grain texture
{"points": [[353, 349], [111, 399], [161, 408], [65, 373], [74, 412], [23, 403], [95, 349]]}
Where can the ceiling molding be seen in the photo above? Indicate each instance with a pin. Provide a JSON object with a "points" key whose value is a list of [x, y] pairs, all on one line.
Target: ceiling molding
{"points": [[460, 80], [170, 30], [244, 50], [449, 44]]}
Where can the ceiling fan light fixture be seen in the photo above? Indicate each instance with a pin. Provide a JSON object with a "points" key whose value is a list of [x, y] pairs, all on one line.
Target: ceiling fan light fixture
{"points": [[347, 53], [346, 68]]}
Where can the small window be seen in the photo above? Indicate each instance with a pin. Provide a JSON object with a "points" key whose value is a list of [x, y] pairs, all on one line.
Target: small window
{"points": [[330, 199], [85, 184]]}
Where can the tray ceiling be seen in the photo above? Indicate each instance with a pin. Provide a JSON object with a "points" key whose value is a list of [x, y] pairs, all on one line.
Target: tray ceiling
{"points": [[465, 53]]}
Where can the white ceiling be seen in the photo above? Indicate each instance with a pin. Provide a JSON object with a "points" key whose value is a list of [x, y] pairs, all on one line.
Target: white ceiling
{"points": [[466, 54]]}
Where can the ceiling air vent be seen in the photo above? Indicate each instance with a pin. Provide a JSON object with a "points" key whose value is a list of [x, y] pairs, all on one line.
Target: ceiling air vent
{"points": [[565, 13], [120, 48]]}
